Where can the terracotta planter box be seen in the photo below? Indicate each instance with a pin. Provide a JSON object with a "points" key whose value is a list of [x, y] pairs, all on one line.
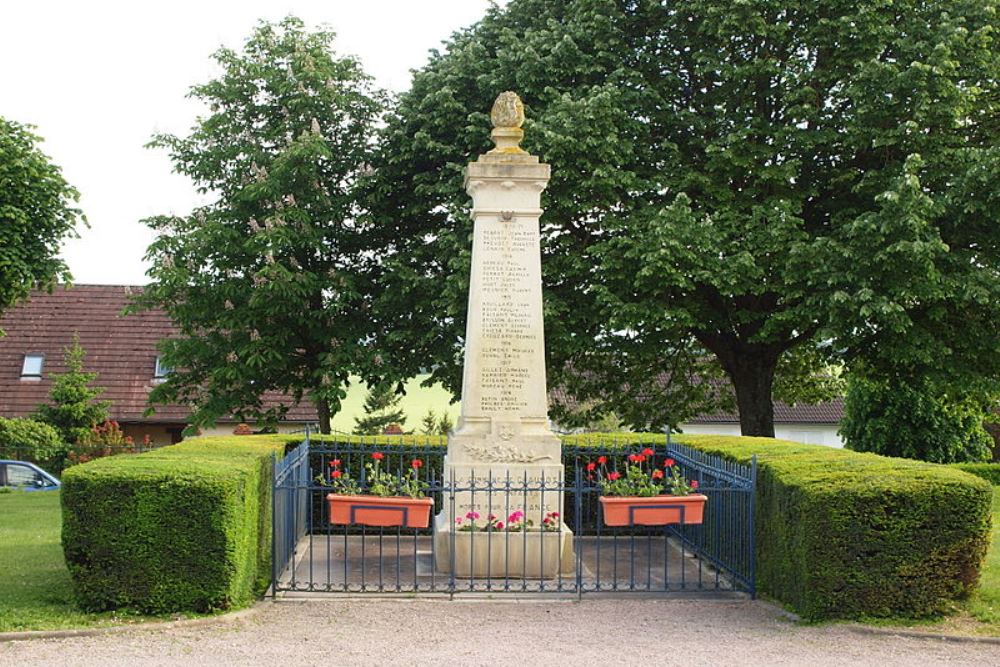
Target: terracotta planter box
{"points": [[654, 510], [380, 511]]}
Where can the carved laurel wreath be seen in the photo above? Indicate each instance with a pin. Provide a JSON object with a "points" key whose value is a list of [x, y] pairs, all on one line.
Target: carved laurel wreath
{"points": [[504, 454]]}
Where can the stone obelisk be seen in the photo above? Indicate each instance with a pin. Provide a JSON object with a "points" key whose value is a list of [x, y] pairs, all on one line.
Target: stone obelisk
{"points": [[502, 437]]}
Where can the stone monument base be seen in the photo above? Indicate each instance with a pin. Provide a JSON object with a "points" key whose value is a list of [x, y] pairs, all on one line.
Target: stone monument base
{"points": [[530, 554]]}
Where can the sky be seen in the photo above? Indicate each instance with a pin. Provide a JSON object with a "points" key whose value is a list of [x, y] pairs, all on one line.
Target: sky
{"points": [[97, 79]]}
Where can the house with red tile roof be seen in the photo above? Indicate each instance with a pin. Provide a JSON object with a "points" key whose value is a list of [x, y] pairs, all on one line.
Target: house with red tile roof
{"points": [[120, 349]]}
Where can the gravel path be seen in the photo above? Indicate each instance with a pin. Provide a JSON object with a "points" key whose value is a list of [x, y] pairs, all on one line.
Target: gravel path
{"points": [[437, 632]]}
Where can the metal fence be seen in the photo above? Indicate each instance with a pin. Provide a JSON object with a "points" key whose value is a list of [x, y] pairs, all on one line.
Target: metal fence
{"points": [[580, 554]]}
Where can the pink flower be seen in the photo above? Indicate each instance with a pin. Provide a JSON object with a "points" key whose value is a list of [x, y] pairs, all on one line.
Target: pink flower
{"points": [[554, 515], [499, 525], [694, 484], [491, 517], [458, 521], [472, 515]]}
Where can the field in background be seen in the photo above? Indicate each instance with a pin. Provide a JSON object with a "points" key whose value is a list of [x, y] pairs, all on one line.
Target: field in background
{"points": [[415, 404]]}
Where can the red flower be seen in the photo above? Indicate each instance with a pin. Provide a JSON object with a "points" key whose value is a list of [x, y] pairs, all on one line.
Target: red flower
{"points": [[694, 484], [647, 452], [601, 460], [336, 473], [591, 466], [635, 458], [657, 474], [378, 456], [335, 463], [499, 525], [614, 475], [416, 463], [669, 463]]}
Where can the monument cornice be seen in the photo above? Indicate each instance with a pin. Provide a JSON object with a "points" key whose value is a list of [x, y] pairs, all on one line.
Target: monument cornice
{"points": [[517, 213]]}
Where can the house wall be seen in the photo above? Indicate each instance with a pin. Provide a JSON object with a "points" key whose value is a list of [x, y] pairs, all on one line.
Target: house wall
{"points": [[810, 434], [159, 434]]}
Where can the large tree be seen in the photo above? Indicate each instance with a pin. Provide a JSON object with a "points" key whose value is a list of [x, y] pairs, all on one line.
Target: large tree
{"points": [[37, 213], [752, 188], [268, 283]]}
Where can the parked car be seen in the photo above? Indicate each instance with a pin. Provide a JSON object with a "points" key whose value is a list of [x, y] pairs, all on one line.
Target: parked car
{"points": [[26, 476]]}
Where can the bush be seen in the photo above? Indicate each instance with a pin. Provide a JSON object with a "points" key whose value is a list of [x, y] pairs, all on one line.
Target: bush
{"points": [[841, 534], [185, 527], [32, 440], [988, 471], [914, 420]]}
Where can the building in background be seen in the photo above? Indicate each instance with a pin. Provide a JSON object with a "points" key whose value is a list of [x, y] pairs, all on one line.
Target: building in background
{"points": [[120, 349], [810, 424]]}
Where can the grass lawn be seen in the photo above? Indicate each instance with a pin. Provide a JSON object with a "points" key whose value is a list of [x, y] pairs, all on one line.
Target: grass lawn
{"points": [[35, 588]]}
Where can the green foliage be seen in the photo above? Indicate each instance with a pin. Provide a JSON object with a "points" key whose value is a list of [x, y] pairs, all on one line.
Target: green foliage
{"points": [[74, 409], [988, 471], [31, 440], [914, 418], [845, 535], [185, 527], [381, 410], [740, 179], [268, 282], [380, 481], [36, 214], [431, 424], [428, 423]]}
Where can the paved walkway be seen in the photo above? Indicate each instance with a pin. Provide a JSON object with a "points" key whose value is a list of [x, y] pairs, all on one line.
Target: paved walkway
{"points": [[477, 632]]}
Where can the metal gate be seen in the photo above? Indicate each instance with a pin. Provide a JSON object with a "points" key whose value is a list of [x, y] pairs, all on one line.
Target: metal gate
{"points": [[310, 555]]}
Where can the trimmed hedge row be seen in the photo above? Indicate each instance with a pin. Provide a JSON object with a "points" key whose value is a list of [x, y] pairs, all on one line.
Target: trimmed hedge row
{"points": [[185, 527], [842, 534], [988, 471]]}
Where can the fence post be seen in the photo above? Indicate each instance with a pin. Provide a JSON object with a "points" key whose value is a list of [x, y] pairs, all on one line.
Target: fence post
{"points": [[752, 539], [274, 526]]}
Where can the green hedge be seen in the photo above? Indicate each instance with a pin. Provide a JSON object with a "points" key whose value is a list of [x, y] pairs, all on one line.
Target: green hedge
{"points": [[185, 527], [845, 535], [988, 471]]}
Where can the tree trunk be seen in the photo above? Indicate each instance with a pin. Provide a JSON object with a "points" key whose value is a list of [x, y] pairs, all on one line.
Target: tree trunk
{"points": [[753, 378], [323, 411]]}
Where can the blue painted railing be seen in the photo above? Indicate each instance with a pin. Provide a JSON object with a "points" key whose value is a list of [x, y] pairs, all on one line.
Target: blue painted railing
{"points": [[312, 555]]}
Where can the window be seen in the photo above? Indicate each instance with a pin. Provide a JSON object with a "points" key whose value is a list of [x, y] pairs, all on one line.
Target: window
{"points": [[32, 367], [162, 370], [19, 475]]}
